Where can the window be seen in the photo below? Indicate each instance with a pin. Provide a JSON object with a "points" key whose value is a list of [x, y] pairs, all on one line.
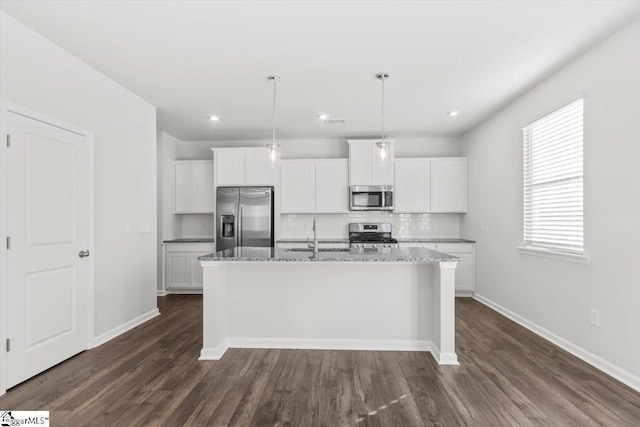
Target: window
{"points": [[553, 181]]}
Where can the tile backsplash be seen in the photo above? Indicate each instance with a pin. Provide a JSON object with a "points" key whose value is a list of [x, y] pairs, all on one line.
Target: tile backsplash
{"points": [[404, 225], [195, 226]]}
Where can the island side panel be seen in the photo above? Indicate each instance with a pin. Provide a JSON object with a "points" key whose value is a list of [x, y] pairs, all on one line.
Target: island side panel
{"points": [[443, 320], [310, 305], [214, 311]]}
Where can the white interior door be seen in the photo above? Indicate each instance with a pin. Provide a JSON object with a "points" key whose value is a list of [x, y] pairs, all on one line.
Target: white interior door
{"points": [[48, 223]]}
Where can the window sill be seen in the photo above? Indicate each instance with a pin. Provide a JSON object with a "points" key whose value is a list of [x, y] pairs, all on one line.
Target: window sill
{"points": [[582, 259]]}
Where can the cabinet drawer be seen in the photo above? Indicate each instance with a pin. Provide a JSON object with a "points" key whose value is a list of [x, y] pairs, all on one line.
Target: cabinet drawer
{"points": [[190, 247], [466, 248]]}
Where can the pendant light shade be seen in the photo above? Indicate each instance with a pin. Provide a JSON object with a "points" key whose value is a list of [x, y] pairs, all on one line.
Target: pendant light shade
{"points": [[383, 146], [273, 149]]}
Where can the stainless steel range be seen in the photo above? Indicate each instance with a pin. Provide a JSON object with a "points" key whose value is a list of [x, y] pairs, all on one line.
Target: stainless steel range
{"points": [[371, 236]]}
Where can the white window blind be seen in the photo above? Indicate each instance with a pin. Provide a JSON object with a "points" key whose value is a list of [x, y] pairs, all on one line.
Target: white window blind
{"points": [[553, 181]]}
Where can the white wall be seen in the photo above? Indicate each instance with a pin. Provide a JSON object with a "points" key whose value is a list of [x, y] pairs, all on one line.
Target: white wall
{"points": [[39, 75], [553, 294]]}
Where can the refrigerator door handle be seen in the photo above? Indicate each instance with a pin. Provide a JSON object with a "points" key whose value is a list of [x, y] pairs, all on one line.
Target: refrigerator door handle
{"points": [[240, 225]]}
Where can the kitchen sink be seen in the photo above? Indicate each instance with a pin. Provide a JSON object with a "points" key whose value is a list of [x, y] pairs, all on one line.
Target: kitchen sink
{"points": [[319, 250]]}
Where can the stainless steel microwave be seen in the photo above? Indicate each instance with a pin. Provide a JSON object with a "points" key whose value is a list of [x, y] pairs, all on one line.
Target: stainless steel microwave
{"points": [[371, 197]]}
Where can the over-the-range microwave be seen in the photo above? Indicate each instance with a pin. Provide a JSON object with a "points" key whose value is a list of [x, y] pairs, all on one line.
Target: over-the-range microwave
{"points": [[371, 197]]}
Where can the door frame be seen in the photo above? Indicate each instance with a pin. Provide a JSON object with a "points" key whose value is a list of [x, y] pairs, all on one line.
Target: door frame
{"points": [[7, 107]]}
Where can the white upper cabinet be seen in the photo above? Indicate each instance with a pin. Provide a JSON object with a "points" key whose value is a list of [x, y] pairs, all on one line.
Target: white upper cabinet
{"points": [[297, 186], [412, 186], [229, 167], [449, 185], [193, 187], [364, 166], [242, 166], [257, 171], [314, 186], [436, 185], [332, 186]]}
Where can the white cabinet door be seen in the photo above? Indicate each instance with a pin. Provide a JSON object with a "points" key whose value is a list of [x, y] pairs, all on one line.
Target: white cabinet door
{"points": [[359, 163], [185, 199], [178, 266], [332, 186], [448, 185], [205, 197], [194, 187], [464, 272], [230, 167], [297, 186], [412, 188], [465, 280], [196, 271], [257, 170], [382, 173], [364, 166]]}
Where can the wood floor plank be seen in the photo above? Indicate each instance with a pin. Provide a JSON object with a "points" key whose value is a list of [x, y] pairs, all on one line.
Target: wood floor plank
{"points": [[150, 376]]}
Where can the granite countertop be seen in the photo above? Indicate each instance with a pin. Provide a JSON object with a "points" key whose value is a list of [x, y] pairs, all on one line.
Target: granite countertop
{"points": [[305, 240], [433, 240], [191, 240], [252, 254], [400, 240]]}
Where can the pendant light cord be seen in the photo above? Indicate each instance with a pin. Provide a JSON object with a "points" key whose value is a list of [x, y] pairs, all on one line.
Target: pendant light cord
{"points": [[382, 141], [274, 110]]}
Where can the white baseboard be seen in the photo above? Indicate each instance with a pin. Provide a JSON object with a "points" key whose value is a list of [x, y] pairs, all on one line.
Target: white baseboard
{"points": [[317, 344], [119, 330], [213, 353], [464, 293], [162, 293], [182, 292], [596, 361], [443, 358]]}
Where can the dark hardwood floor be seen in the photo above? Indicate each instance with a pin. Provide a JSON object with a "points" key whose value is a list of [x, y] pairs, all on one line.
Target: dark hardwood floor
{"points": [[151, 376]]}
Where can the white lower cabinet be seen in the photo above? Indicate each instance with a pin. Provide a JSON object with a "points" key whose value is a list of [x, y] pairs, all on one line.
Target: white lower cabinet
{"points": [[182, 268], [465, 270]]}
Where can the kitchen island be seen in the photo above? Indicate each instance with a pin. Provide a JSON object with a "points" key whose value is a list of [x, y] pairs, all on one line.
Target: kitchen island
{"points": [[342, 299]]}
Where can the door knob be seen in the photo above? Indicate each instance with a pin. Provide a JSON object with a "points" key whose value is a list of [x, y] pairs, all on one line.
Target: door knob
{"points": [[83, 254]]}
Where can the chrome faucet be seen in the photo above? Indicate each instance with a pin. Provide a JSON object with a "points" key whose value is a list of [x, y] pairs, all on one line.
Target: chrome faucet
{"points": [[314, 245]]}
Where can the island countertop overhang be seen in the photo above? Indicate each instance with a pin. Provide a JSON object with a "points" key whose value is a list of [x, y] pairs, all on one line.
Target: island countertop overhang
{"points": [[282, 255]]}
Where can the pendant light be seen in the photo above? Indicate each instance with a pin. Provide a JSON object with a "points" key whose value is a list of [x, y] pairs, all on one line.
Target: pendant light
{"points": [[384, 146], [273, 149]]}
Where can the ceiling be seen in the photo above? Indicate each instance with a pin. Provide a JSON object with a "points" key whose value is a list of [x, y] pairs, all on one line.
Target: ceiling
{"points": [[193, 58]]}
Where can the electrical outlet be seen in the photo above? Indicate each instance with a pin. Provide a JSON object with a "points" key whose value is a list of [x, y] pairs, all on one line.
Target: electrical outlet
{"points": [[595, 317], [145, 227], [127, 228], [481, 225]]}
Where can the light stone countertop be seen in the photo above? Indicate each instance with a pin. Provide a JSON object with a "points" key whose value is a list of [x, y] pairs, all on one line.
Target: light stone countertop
{"points": [[191, 240], [400, 255], [400, 240], [305, 240], [433, 240]]}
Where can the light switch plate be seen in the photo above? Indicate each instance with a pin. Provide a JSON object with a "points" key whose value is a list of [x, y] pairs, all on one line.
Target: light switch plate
{"points": [[145, 227], [127, 228]]}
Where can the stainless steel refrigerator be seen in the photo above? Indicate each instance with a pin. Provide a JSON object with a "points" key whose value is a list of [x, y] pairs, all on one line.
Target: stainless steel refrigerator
{"points": [[244, 217]]}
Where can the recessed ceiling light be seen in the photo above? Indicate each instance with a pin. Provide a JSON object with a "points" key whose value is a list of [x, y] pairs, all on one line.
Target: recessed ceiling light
{"points": [[214, 118], [453, 113], [323, 116]]}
